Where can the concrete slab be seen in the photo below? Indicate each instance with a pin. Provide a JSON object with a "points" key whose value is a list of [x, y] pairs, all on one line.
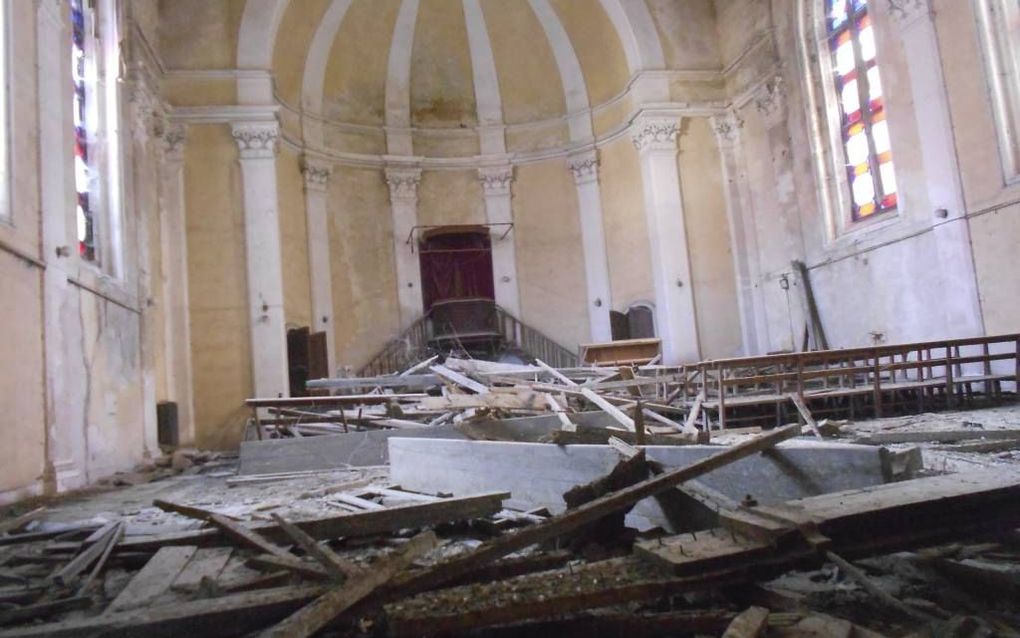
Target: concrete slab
{"points": [[538, 474]]}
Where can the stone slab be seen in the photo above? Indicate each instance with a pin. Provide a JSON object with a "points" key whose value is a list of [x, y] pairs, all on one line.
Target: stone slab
{"points": [[538, 474]]}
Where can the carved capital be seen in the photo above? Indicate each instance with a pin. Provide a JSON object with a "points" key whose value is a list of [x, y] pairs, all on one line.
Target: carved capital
{"points": [[403, 183], [584, 166], [655, 133], [496, 180], [173, 142], [770, 100], [906, 12], [316, 174], [727, 128], [256, 140]]}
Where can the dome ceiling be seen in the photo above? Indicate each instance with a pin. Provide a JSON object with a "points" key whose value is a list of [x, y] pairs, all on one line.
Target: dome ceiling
{"points": [[467, 63]]}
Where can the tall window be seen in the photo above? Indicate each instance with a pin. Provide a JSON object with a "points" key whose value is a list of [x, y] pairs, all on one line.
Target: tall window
{"points": [[865, 133], [83, 73]]}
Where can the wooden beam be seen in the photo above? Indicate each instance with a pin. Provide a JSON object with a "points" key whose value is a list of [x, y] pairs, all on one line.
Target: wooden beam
{"points": [[330, 605], [154, 579], [338, 567], [245, 535], [328, 401], [750, 623], [609, 409], [273, 563], [17, 522], [805, 413], [565, 423], [554, 373], [589, 512], [459, 379], [692, 416]]}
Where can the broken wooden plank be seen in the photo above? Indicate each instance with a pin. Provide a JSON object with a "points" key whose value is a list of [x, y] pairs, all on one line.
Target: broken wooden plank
{"points": [[289, 562], [244, 535], [109, 543], [330, 605], [331, 400], [943, 436], [16, 523], [42, 610], [692, 416], [231, 615], [805, 414], [368, 523], [880, 594], [609, 409], [565, 423], [459, 379], [338, 567], [554, 373], [154, 579], [590, 512], [750, 623], [88, 555], [357, 502], [207, 562], [525, 400]]}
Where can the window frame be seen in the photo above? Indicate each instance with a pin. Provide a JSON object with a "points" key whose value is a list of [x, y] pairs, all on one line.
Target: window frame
{"points": [[1001, 52]]}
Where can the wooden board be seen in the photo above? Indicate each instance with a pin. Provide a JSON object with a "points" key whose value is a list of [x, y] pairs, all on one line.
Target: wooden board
{"points": [[207, 562], [154, 579]]}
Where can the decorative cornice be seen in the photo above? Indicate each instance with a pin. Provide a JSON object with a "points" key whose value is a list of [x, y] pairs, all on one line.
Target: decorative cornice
{"points": [[496, 180], [770, 100], [906, 12], [727, 128], [316, 174], [655, 133], [403, 183], [256, 140], [173, 142], [584, 166]]}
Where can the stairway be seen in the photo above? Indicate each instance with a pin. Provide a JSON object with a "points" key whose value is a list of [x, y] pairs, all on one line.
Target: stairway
{"points": [[474, 327]]}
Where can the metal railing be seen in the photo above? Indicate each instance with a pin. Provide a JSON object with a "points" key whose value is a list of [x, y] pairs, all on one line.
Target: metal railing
{"points": [[420, 340]]}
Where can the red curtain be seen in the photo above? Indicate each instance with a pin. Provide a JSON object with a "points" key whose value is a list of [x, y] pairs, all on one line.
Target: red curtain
{"points": [[456, 266]]}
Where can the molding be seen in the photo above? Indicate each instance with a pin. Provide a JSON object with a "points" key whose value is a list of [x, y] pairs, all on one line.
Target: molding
{"points": [[770, 100], [655, 133], [316, 174], [256, 140], [226, 114], [906, 12], [217, 74], [584, 166], [727, 128], [496, 180], [403, 183], [174, 139]]}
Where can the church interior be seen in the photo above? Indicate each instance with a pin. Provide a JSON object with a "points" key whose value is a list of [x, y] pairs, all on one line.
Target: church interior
{"points": [[507, 317]]}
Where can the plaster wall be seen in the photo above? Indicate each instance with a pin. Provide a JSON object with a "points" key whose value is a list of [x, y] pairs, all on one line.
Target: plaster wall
{"points": [[708, 239], [220, 344], [366, 313], [550, 262], [297, 293], [450, 198], [198, 34]]}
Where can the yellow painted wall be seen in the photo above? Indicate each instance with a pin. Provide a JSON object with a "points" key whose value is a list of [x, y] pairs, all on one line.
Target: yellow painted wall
{"points": [[995, 237], [708, 239], [450, 198], [442, 83], [297, 294], [355, 87], [623, 213], [217, 289], [363, 270], [687, 31], [550, 261], [22, 456], [199, 34]]}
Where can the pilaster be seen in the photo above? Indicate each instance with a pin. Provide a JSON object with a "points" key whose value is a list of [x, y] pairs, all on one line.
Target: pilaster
{"points": [[403, 181], [585, 168], [316, 175], [496, 188], [676, 322], [256, 142]]}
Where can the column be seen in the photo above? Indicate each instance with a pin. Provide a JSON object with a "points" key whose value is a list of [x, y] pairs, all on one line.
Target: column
{"points": [[403, 182], [496, 181], [585, 167], [961, 307], [174, 237], [743, 240], [257, 144], [316, 175], [676, 323]]}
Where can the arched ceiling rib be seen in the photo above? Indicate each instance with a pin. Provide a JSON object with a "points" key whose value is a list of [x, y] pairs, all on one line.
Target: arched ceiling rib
{"points": [[398, 77], [483, 66], [574, 87], [637, 33], [312, 84], [259, 25]]}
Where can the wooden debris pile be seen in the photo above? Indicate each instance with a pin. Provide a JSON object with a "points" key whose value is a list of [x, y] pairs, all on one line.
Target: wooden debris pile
{"points": [[407, 564]]}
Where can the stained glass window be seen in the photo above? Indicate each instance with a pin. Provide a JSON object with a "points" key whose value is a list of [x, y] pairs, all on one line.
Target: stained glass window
{"points": [[83, 75], [864, 130]]}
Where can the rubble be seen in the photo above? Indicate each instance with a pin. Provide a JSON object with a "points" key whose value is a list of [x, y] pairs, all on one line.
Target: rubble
{"points": [[326, 533]]}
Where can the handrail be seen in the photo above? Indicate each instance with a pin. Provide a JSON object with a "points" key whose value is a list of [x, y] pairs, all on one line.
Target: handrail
{"points": [[413, 344]]}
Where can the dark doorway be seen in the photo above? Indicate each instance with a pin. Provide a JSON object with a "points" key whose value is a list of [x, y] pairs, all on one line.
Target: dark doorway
{"points": [[637, 323], [456, 263], [306, 358]]}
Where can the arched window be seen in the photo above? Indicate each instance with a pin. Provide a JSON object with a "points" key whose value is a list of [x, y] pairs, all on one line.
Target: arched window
{"points": [[83, 75], [864, 132]]}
